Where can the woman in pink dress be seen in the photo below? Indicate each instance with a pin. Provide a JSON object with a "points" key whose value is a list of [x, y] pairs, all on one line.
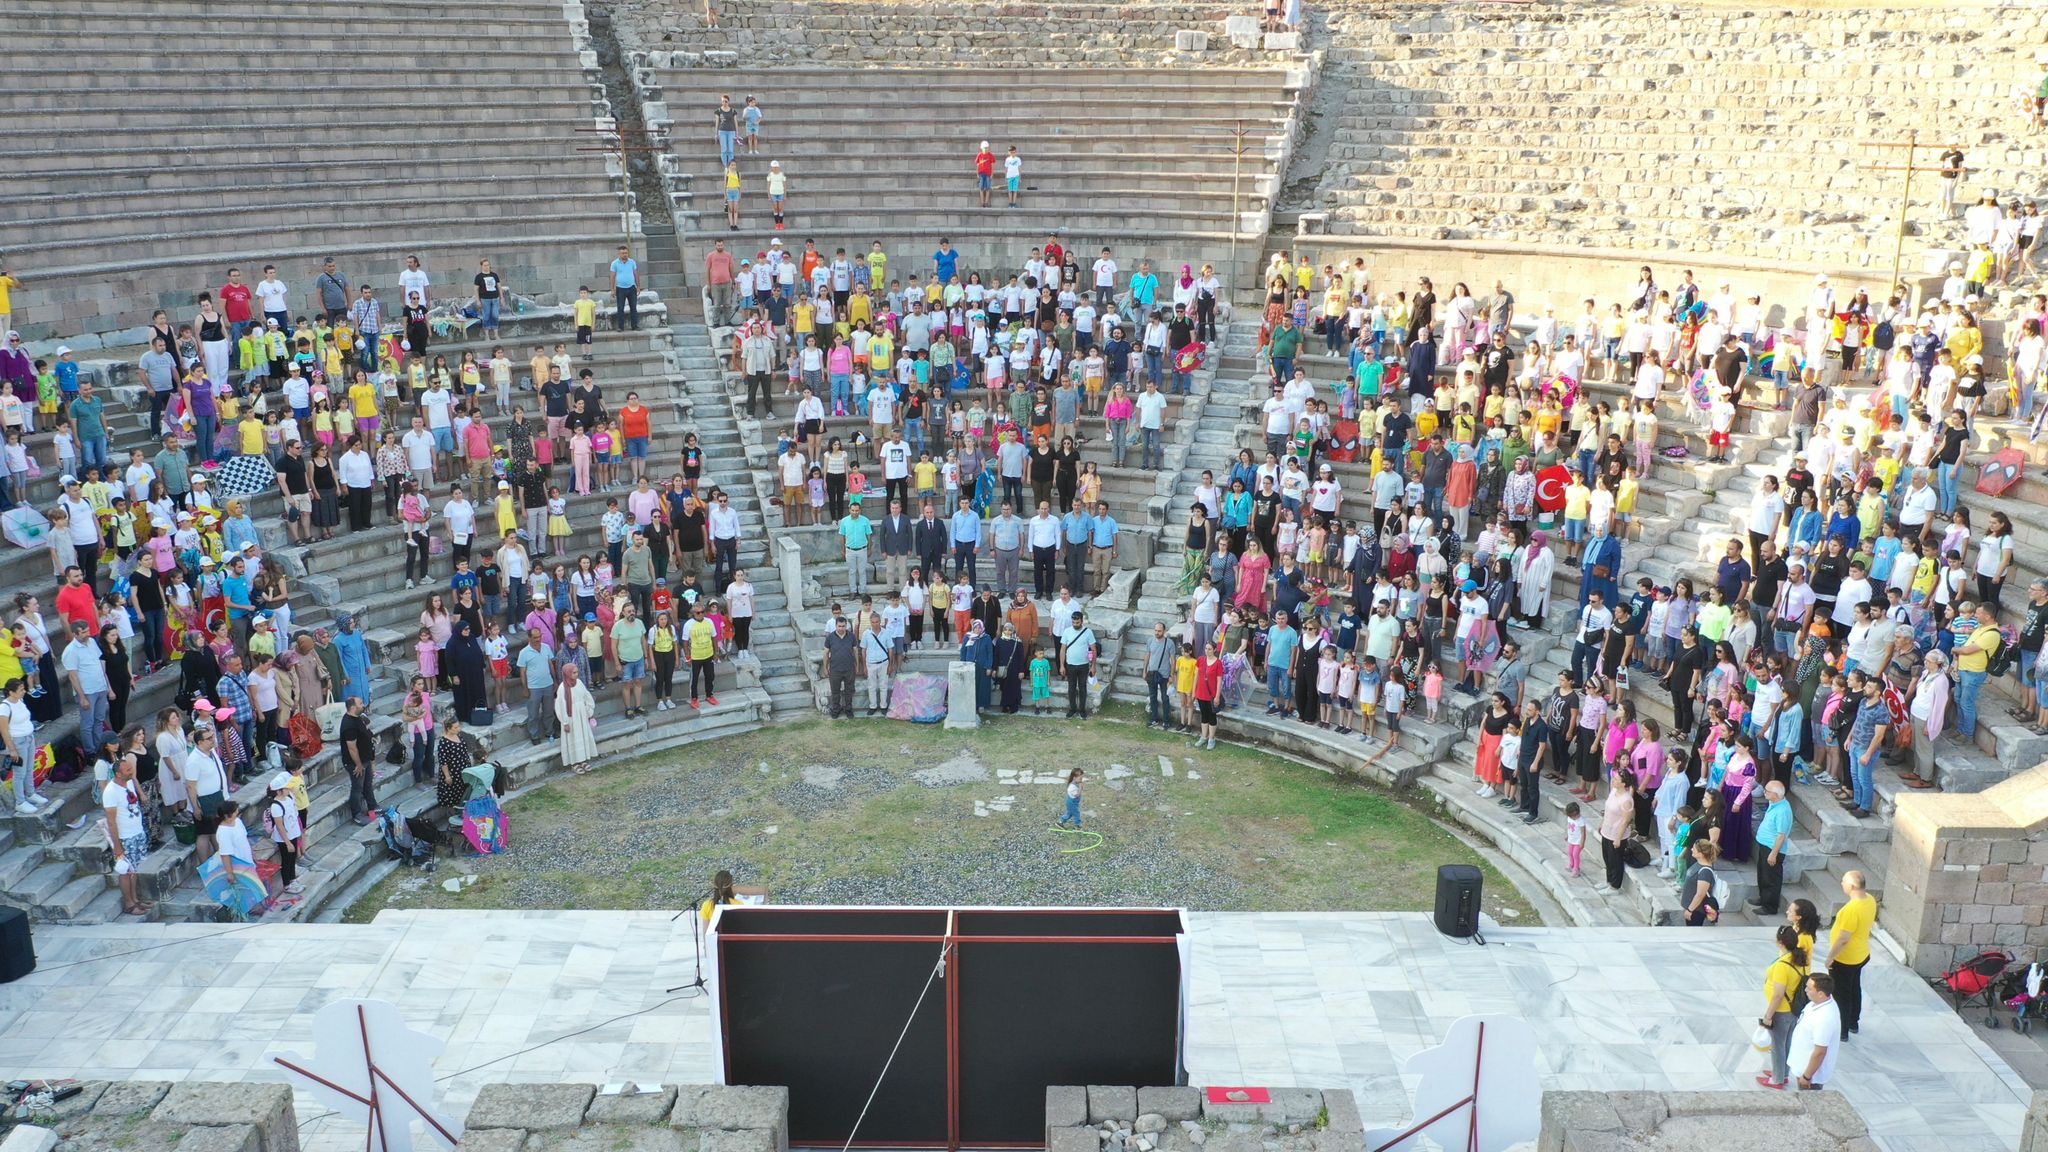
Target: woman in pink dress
{"points": [[1251, 577]]}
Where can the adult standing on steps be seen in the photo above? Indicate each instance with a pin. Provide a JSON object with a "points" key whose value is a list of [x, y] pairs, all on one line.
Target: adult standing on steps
{"points": [[718, 273], [1849, 949], [625, 290], [576, 713], [332, 288], [725, 119]]}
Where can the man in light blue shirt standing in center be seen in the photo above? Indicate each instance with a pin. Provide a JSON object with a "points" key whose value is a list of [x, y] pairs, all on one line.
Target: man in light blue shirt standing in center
{"points": [[966, 534], [1773, 840], [1077, 532]]}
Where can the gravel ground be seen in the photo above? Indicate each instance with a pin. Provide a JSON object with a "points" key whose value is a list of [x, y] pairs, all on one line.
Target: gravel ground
{"points": [[885, 814]]}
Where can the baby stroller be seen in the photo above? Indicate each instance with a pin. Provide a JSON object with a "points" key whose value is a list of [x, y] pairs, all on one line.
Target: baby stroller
{"points": [[1976, 979], [2020, 991], [404, 845], [483, 821]]}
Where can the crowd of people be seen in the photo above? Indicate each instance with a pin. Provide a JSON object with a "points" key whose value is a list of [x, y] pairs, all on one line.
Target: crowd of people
{"points": [[1855, 619], [330, 406], [965, 386]]}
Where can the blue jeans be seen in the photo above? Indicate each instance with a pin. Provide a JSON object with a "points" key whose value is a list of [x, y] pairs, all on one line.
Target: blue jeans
{"points": [[1968, 685], [366, 351], [1155, 366], [1945, 480], [1119, 430], [204, 428], [1155, 454], [725, 143], [1860, 783], [1283, 368], [913, 435], [92, 720], [1183, 382], [1073, 815], [842, 389], [1280, 686], [92, 451], [487, 313]]}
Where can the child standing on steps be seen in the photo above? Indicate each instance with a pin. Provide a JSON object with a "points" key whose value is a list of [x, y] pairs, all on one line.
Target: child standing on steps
{"points": [[1433, 692], [1041, 681], [1574, 839]]}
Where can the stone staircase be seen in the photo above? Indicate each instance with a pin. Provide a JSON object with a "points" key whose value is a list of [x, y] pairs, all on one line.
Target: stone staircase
{"points": [[1083, 144]]}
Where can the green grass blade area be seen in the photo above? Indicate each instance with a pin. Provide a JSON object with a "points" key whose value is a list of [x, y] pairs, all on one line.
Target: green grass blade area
{"points": [[879, 812]]}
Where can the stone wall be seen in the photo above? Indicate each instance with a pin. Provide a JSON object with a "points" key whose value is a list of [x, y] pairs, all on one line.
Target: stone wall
{"points": [[195, 1116], [660, 1118], [1107, 1118], [1031, 34], [1688, 1121], [1969, 871]]}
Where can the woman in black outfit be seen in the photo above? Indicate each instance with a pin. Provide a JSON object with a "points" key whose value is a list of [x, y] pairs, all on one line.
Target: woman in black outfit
{"points": [[1066, 473], [120, 678], [1307, 655], [326, 492]]}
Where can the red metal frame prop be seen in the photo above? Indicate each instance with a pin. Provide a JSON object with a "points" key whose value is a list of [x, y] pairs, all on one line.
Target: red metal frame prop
{"points": [[375, 1135], [1470, 1101]]}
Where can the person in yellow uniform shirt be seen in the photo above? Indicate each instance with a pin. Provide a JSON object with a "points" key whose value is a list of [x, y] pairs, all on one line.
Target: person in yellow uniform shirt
{"points": [[1783, 981], [721, 893], [7, 286], [1578, 501], [1849, 949]]}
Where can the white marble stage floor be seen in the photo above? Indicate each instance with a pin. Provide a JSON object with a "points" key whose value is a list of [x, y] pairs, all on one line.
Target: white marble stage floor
{"points": [[1281, 999]]}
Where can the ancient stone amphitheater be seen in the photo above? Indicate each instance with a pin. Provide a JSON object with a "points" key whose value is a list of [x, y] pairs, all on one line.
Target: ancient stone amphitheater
{"points": [[1555, 147]]}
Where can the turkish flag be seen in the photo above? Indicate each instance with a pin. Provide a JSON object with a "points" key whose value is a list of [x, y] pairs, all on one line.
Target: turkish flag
{"points": [[1550, 486]]}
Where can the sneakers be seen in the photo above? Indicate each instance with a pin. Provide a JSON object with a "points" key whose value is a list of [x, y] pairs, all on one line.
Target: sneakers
{"points": [[1486, 792], [295, 887], [711, 700], [26, 809], [694, 704], [410, 584], [1764, 1079]]}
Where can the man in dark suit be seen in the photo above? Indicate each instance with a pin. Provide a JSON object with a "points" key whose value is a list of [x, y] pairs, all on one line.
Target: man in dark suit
{"points": [[931, 538], [897, 543]]}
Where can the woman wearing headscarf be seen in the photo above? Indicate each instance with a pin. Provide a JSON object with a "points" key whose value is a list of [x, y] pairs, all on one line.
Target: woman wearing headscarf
{"points": [[1184, 288], [977, 649], [198, 672], [1010, 657], [355, 660], [310, 685], [17, 370], [468, 671], [1532, 580], [237, 531], [1928, 707]]}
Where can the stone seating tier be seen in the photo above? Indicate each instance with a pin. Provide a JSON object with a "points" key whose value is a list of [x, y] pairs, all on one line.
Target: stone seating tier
{"points": [[187, 182], [1665, 129]]}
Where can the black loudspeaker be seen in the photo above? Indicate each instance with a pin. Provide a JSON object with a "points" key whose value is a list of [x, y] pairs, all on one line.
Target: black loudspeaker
{"points": [[17, 950], [1457, 900]]}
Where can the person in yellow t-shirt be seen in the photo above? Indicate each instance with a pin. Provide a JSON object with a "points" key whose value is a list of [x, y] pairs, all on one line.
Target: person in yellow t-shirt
{"points": [[7, 286], [1849, 949], [250, 433], [1782, 982], [586, 317], [1578, 500]]}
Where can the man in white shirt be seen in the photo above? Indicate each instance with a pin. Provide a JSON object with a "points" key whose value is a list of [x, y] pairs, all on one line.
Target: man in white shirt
{"points": [[438, 402], [419, 453], [275, 297], [1917, 505], [1042, 536], [895, 456], [1279, 422], [413, 279], [460, 515], [724, 521], [121, 803], [1817, 1036], [1152, 424]]}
